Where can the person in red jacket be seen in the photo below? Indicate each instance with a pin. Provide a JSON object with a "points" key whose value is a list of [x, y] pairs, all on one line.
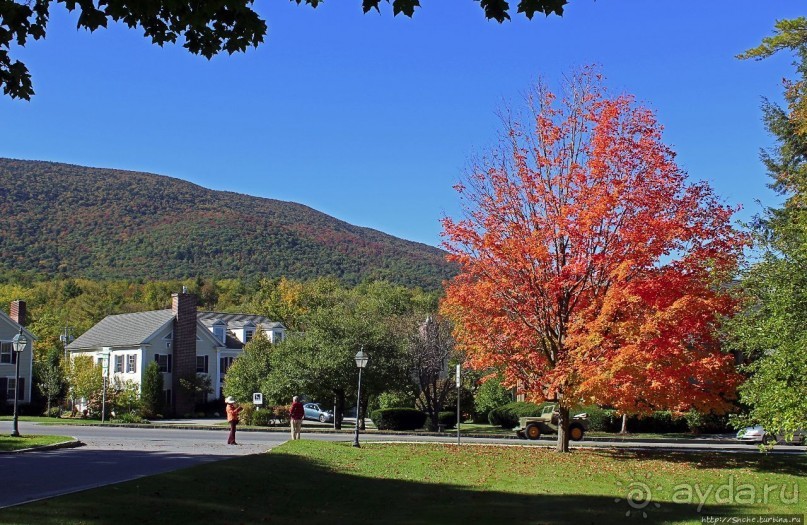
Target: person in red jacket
{"points": [[232, 418], [296, 414]]}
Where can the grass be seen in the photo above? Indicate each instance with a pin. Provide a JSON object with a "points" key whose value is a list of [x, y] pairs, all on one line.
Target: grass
{"points": [[10, 444], [312, 482]]}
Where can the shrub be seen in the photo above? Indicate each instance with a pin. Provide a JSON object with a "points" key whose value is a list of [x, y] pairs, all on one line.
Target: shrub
{"points": [[398, 418], [447, 419], [130, 417], [53, 412], [710, 423], [507, 416], [281, 413], [490, 394], [247, 415], [600, 419], [262, 418], [660, 422], [395, 399]]}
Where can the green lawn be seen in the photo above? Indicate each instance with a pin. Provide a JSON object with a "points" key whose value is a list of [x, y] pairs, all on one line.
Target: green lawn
{"points": [[316, 482], [8, 443]]}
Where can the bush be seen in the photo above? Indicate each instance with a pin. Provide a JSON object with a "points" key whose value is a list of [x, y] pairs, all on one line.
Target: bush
{"points": [[54, 412], [660, 422], [490, 395], [710, 423], [600, 419], [398, 418], [447, 419], [507, 416], [247, 415], [280, 413], [395, 399], [130, 417], [262, 418]]}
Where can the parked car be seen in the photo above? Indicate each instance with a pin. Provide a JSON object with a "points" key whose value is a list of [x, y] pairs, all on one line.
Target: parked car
{"points": [[315, 412], [757, 434]]}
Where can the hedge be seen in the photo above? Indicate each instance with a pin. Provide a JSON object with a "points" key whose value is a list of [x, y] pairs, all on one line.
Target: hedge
{"points": [[507, 416], [447, 419], [398, 418]]}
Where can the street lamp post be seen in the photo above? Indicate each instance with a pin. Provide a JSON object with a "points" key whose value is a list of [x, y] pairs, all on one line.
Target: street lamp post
{"points": [[361, 362], [19, 342], [105, 372]]}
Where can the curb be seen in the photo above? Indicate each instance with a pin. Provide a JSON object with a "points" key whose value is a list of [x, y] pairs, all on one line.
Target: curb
{"points": [[512, 436], [55, 446]]}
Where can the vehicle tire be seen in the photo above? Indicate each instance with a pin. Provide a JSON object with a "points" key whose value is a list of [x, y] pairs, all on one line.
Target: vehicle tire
{"points": [[322, 418], [766, 439], [576, 432], [532, 431]]}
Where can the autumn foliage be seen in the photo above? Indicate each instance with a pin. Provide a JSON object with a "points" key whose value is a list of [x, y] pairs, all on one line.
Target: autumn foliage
{"points": [[590, 267]]}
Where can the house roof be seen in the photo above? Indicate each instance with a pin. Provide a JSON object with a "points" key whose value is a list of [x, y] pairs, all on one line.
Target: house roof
{"points": [[16, 325], [238, 320], [123, 329], [137, 328]]}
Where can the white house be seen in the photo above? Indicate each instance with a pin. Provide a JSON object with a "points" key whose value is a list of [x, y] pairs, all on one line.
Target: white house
{"points": [[182, 340], [10, 325]]}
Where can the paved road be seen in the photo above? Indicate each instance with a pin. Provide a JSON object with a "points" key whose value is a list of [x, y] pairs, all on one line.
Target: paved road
{"points": [[115, 454]]}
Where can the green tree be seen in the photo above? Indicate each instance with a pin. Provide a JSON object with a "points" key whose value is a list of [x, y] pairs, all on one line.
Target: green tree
{"points": [[85, 380], [151, 392], [320, 362], [49, 377], [491, 394], [771, 332], [206, 28], [249, 372]]}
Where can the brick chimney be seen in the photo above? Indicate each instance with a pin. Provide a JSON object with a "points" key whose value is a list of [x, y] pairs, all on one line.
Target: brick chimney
{"points": [[18, 312], [184, 348]]}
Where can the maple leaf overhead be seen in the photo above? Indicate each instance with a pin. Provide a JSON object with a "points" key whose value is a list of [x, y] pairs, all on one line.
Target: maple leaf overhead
{"points": [[591, 269], [206, 27]]}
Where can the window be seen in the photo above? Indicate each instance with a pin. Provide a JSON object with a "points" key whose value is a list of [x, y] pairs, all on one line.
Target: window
{"points": [[277, 337], [10, 386], [225, 363], [201, 364], [218, 331], [7, 353], [248, 334], [118, 364], [164, 360], [131, 363]]}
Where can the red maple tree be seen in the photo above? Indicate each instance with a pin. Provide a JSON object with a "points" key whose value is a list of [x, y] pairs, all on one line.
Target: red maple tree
{"points": [[591, 270]]}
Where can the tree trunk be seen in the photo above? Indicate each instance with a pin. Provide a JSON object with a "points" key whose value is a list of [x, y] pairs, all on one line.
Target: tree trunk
{"points": [[563, 429], [624, 429]]}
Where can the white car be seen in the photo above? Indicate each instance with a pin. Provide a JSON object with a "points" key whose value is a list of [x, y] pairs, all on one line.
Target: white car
{"points": [[757, 434]]}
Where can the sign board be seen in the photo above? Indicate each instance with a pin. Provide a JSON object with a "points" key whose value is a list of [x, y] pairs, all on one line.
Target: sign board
{"points": [[458, 376], [257, 398]]}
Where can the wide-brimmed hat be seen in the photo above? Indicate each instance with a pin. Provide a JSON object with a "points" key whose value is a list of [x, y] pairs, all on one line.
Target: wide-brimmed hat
{"points": [[230, 400]]}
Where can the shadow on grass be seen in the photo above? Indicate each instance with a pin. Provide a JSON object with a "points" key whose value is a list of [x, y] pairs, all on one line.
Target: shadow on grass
{"points": [[792, 464], [286, 488]]}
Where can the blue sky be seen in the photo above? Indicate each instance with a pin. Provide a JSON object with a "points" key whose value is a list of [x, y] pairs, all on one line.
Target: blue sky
{"points": [[372, 118]]}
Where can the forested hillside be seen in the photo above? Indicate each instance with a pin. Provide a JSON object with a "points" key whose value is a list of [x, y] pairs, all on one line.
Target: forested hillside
{"points": [[74, 221]]}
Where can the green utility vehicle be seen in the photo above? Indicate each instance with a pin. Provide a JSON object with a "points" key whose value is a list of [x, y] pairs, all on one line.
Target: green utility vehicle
{"points": [[547, 423]]}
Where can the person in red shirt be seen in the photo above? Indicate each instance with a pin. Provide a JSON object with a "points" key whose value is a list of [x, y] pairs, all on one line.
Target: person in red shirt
{"points": [[232, 418], [296, 414]]}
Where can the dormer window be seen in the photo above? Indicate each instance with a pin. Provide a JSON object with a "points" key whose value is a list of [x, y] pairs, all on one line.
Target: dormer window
{"points": [[248, 335], [219, 333], [277, 337]]}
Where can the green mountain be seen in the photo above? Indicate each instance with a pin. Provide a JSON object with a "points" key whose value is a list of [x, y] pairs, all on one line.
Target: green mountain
{"points": [[65, 220]]}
